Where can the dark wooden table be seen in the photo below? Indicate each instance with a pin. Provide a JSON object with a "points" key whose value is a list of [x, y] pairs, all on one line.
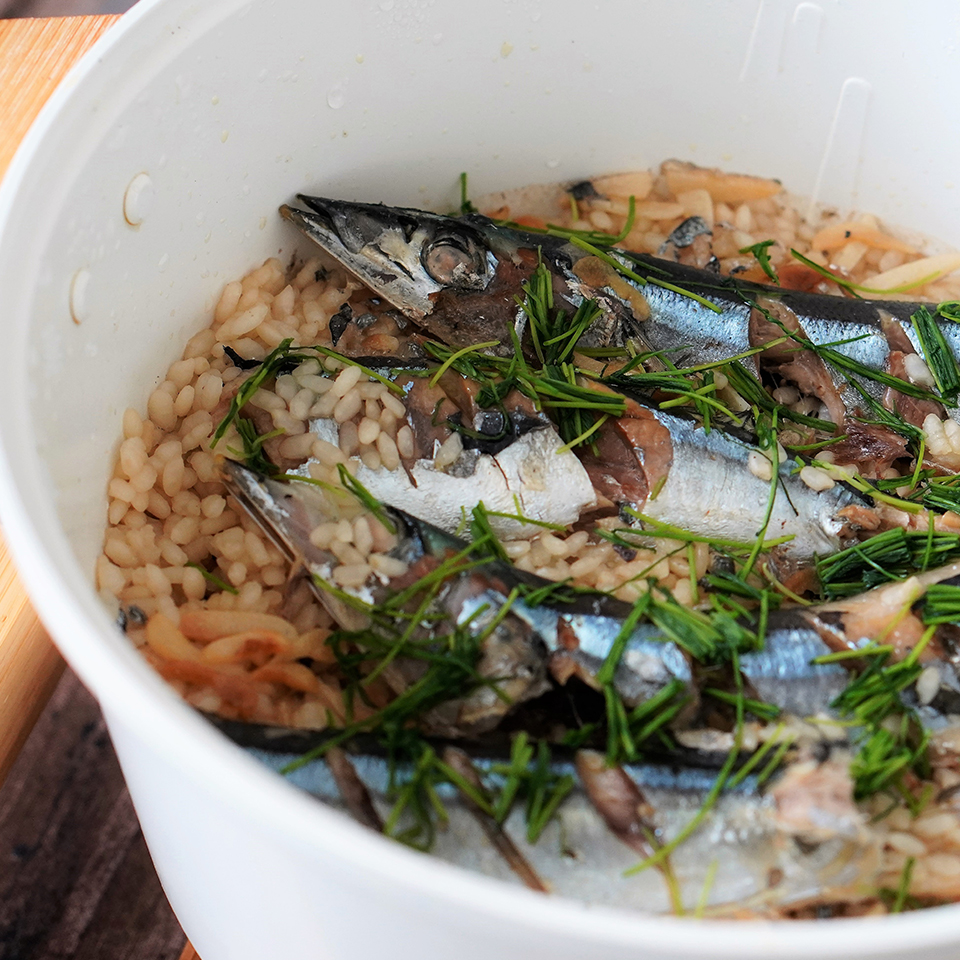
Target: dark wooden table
{"points": [[76, 881]]}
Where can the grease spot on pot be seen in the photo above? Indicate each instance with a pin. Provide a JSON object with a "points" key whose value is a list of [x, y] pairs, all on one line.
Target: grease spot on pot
{"points": [[138, 199], [79, 296]]}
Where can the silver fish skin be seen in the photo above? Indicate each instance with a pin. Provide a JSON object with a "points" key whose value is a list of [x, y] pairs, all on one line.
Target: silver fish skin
{"points": [[748, 834], [457, 277], [784, 672], [711, 490], [560, 640], [523, 648]]}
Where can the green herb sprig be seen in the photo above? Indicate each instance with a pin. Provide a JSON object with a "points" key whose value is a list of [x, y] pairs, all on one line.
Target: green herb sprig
{"points": [[761, 253], [937, 354]]}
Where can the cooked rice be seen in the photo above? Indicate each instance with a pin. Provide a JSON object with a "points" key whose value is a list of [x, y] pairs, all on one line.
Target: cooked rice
{"points": [[235, 651]]}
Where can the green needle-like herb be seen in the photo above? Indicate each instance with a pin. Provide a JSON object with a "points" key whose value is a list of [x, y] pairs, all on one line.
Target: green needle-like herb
{"points": [[903, 888], [252, 453], [873, 701], [761, 254], [465, 205], [269, 368], [938, 355], [942, 494], [354, 486], [888, 556], [761, 710], [708, 880], [941, 604], [531, 777], [597, 238], [855, 288], [214, 579], [949, 310]]}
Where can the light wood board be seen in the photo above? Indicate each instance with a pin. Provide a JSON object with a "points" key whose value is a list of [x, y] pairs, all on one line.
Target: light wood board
{"points": [[34, 57]]}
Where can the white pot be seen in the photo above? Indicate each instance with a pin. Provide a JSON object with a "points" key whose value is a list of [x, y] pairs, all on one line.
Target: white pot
{"points": [[229, 108]]}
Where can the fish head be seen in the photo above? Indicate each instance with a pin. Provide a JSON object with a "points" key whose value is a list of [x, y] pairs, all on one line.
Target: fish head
{"points": [[406, 256], [457, 277]]}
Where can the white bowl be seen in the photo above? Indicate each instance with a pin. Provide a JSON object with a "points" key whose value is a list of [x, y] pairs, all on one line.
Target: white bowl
{"points": [[229, 107]]}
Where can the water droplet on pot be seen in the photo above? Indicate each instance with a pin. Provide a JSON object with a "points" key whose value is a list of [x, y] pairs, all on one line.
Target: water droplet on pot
{"points": [[337, 95]]}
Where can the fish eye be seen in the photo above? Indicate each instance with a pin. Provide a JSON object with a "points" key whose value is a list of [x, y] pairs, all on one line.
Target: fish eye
{"points": [[455, 260]]}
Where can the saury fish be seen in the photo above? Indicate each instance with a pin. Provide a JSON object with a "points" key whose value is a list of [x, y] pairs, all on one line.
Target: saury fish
{"points": [[521, 644], [662, 463], [530, 647], [609, 820], [457, 278]]}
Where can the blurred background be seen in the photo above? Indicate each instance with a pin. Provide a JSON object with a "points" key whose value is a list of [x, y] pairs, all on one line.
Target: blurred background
{"points": [[60, 8]]}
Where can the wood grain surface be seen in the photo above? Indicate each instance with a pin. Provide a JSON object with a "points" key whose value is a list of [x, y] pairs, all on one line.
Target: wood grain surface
{"points": [[76, 880], [34, 56]]}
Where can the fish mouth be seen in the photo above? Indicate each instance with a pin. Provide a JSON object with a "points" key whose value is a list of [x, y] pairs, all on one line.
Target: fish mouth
{"points": [[379, 245]]}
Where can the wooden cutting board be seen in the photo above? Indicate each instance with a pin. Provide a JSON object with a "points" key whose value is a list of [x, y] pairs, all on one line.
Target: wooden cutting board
{"points": [[34, 57]]}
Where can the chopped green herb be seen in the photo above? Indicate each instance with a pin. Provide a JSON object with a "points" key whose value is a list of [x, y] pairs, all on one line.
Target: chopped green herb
{"points": [[888, 556], [761, 710], [873, 701], [937, 354], [942, 494], [761, 254], [708, 880], [252, 453], [214, 579], [854, 288], [941, 604], [903, 888], [269, 368], [597, 238], [949, 310], [354, 486], [465, 205]]}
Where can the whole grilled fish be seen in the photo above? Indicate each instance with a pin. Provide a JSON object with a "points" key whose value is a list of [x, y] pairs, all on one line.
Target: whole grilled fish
{"points": [[521, 644], [457, 277], [531, 646], [614, 817], [663, 464]]}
